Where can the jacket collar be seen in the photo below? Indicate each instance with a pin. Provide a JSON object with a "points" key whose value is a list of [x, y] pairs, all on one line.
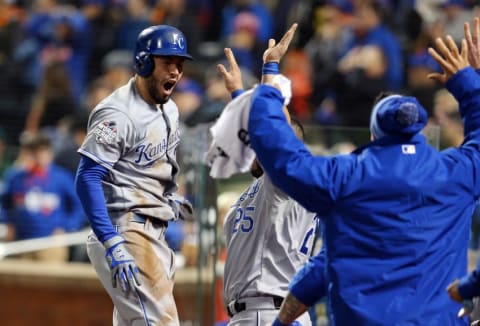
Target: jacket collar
{"points": [[392, 140]]}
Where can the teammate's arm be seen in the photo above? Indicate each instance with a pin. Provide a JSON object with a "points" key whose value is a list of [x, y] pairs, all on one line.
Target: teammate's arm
{"points": [[306, 288], [232, 77], [473, 43], [290, 310]]}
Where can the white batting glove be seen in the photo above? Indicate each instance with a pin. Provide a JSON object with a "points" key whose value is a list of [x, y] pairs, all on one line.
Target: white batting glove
{"points": [[122, 264]]}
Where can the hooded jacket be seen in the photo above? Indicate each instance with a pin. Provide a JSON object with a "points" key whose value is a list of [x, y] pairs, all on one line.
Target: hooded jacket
{"points": [[397, 212]]}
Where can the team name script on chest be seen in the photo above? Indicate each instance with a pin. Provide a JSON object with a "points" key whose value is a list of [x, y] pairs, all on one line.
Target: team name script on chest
{"points": [[149, 152]]}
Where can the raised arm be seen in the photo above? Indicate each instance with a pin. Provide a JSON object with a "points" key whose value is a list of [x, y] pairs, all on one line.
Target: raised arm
{"points": [[473, 42], [310, 180], [233, 77], [460, 79]]}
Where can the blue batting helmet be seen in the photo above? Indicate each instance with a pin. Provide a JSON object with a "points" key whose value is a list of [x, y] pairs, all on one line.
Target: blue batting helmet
{"points": [[160, 40]]}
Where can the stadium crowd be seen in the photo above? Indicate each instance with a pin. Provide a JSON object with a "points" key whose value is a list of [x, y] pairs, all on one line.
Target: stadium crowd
{"points": [[59, 58]]}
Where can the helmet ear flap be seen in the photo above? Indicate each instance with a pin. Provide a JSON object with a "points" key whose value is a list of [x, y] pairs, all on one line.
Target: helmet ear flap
{"points": [[144, 64]]}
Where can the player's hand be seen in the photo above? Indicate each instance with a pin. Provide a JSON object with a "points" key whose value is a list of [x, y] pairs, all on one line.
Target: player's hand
{"points": [[473, 42], [182, 207], [454, 294], [122, 264], [232, 77], [452, 290], [449, 58], [275, 52]]}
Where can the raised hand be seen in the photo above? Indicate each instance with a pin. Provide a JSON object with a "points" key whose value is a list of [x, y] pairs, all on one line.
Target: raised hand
{"points": [[232, 77], [473, 42], [275, 52], [449, 58]]}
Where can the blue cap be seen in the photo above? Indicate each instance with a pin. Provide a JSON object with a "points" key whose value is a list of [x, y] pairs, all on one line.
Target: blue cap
{"points": [[397, 115]]}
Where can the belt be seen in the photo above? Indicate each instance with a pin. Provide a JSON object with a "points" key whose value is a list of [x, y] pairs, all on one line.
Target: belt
{"points": [[143, 219], [257, 303]]}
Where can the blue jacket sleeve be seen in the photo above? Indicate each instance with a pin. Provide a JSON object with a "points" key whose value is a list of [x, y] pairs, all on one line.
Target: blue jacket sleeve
{"points": [[465, 87], [309, 284], [89, 189], [469, 285], [309, 180]]}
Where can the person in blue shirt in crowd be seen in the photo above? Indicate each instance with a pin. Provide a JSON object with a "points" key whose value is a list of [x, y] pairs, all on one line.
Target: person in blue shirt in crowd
{"points": [[396, 212], [39, 198]]}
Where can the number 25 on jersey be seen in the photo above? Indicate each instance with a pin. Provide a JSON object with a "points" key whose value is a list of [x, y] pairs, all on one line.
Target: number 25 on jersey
{"points": [[243, 220]]}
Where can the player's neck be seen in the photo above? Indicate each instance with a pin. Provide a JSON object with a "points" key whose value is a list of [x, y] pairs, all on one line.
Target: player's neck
{"points": [[143, 91]]}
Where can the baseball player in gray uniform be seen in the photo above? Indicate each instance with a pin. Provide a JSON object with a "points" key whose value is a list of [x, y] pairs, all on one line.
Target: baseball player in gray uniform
{"points": [[269, 237], [126, 181]]}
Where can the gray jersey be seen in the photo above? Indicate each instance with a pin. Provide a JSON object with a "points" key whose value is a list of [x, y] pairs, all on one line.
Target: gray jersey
{"points": [[269, 237], [137, 143]]}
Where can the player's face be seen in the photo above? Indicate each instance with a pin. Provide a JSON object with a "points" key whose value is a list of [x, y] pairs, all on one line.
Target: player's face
{"points": [[42, 156], [168, 71]]}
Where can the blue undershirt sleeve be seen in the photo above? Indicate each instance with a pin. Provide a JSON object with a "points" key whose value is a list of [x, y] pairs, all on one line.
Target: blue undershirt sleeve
{"points": [[88, 184]]}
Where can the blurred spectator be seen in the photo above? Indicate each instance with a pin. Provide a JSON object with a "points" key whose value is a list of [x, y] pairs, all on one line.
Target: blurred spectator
{"points": [[39, 200], [117, 67], [53, 100], [297, 66], [216, 97], [189, 96], [66, 155], [101, 18], [447, 116], [175, 235], [255, 7], [325, 47], [360, 76], [370, 29], [245, 43], [97, 90], [55, 33], [186, 15], [136, 19], [452, 15], [6, 158], [372, 63], [419, 64]]}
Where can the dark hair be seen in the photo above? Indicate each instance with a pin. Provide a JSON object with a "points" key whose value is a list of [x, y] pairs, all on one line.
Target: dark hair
{"points": [[378, 8], [34, 140]]}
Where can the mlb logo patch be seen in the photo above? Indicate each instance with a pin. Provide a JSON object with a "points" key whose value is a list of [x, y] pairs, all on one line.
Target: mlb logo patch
{"points": [[105, 132], [408, 149]]}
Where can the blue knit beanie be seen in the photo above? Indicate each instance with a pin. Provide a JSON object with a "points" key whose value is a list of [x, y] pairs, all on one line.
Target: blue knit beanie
{"points": [[397, 115]]}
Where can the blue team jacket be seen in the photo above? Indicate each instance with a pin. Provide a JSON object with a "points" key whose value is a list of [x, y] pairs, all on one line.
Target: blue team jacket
{"points": [[397, 212]]}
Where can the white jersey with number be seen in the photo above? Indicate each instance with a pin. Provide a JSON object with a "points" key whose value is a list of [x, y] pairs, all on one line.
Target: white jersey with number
{"points": [[137, 143], [269, 237]]}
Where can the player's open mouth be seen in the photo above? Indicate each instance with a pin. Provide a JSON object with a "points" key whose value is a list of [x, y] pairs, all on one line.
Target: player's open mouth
{"points": [[168, 86]]}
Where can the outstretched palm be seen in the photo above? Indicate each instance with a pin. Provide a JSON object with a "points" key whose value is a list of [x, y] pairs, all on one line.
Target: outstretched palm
{"points": [[275, 52]]}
